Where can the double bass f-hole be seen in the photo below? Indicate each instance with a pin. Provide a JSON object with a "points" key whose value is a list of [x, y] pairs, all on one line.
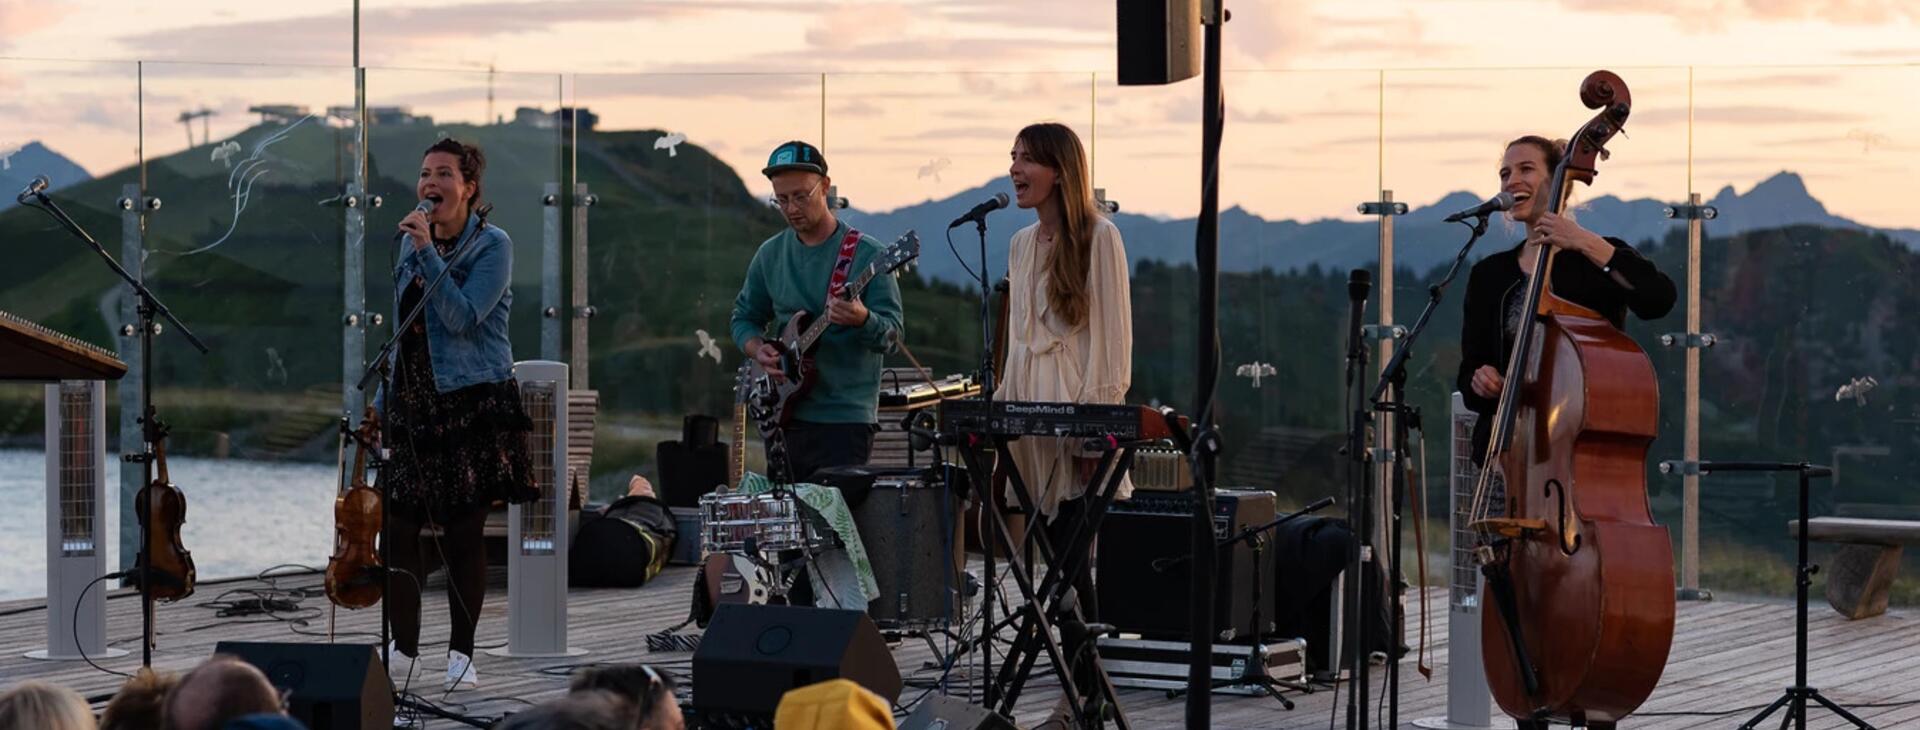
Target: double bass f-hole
{"points": [[1569, 527]]}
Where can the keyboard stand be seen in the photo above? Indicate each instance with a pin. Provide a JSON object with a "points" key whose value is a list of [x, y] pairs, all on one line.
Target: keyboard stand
{"points": [[1043, 602]]}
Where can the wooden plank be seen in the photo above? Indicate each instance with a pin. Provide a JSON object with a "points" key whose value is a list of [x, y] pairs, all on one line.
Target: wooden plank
{"points": [[1855, 529], [1727, 655]]}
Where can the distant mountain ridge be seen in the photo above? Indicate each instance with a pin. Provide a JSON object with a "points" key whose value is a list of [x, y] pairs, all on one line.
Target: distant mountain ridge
{"points": [[1251, 243], [32, 159]]}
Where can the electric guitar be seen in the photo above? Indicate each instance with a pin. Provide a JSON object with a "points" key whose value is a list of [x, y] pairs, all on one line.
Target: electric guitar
{"points": [[771, 400]]}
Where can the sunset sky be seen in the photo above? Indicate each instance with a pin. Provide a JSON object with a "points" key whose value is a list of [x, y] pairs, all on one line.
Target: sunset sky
{"points": [[922, 97]]}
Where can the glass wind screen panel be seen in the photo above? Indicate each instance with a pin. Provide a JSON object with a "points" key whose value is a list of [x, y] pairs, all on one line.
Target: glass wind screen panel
{"points": [[915, 151], [1300, 153], [1146, 155], [247, 252], [1808, 286], [77, 124], [517, 122], [675, 161]]}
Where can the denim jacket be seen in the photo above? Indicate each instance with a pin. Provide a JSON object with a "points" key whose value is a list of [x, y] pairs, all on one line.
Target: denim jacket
{"points": [[466, 316]]}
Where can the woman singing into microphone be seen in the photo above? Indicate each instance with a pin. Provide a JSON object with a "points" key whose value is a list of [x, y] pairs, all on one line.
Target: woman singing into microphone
{"points": [[1600, 273], [454, 422], [1069, 329]]}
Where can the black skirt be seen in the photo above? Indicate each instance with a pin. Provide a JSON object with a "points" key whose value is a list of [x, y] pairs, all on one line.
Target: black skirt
{"points": [[455, 452]]}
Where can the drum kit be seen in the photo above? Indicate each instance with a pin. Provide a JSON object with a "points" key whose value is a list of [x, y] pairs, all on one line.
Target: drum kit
{"points": [[908, 520]]}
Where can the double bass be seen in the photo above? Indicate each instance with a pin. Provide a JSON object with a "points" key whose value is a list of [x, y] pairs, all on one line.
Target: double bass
{"points": [[1578, 602], [353, 570]]}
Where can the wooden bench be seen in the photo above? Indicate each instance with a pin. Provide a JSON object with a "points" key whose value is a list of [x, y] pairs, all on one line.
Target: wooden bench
{"points": [[1862, 570]]}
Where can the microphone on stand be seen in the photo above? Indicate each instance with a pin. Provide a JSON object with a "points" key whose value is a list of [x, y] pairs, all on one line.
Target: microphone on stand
{"points": [[979, 212], [1502, 202], [40, 183]]}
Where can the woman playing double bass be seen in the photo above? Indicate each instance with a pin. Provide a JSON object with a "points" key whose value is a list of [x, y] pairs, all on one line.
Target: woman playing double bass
{"points": [[1578, 611], [1605, 275]]}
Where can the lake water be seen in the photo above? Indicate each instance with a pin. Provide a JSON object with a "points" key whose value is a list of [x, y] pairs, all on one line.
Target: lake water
{"points": [[242, 516]]}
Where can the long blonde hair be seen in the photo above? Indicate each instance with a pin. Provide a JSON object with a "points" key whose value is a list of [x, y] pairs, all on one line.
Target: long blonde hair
{"points": [[1056, 146], [36, 704]]}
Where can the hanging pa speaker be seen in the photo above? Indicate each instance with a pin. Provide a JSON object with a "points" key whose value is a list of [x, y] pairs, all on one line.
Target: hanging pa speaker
{"points": [[1158, 40]]}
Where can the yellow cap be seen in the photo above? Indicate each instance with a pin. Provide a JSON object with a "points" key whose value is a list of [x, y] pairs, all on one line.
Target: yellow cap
{"points": [[836, 704]]}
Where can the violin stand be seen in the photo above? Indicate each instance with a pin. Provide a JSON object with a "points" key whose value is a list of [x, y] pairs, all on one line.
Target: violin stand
{"points": [[1795, 698], [152, 430]]}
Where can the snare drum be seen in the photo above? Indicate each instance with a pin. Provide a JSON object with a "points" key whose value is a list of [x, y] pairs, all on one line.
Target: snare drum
{"points": [[773, 521]]}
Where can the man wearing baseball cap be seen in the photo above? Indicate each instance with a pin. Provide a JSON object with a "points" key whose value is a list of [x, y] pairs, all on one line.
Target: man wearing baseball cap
{"points": [[834, 424]]}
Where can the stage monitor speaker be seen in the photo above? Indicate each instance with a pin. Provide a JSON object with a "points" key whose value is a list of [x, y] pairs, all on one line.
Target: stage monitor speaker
{"points": [[329, 686], [1143, 576], [752, 654], [1158, 40], [952, 713]]}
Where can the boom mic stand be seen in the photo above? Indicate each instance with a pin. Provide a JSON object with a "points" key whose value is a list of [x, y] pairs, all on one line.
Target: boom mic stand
{"points": [[1359, 504], [152, 429], [1389, 396]]}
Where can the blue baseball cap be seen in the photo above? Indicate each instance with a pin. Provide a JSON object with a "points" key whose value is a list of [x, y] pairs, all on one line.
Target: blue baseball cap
{"points": [[795, 155]]}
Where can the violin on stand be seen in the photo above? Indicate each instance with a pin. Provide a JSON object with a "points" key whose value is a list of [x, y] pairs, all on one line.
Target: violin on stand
{"points": [[354, 571], [164, 567]]}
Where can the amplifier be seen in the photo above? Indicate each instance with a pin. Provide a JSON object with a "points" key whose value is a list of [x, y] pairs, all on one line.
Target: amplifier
{"points": [[1142, 576], [1160, 469]]}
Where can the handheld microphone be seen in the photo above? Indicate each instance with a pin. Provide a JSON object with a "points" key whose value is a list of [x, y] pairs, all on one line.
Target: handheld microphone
{"points": [[40, 183], [979, 212], [425, 207], [1502, 202]]}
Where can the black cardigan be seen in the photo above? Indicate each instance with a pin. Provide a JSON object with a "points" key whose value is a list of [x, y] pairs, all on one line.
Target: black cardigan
{"points": [[1648, 293]]}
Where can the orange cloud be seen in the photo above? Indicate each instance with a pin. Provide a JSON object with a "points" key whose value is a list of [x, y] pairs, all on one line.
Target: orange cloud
{"points": [[1714, 15], [20, 17]]}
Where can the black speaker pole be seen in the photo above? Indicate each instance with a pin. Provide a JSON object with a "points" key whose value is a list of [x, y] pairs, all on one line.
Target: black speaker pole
{"points": [[1206, 256]]}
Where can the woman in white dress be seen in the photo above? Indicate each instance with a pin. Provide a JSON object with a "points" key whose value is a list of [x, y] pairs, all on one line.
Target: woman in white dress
{"points": [[1069, 326]]}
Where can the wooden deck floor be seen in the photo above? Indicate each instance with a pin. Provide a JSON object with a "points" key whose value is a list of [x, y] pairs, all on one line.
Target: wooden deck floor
{"points": [[1729, 656]]}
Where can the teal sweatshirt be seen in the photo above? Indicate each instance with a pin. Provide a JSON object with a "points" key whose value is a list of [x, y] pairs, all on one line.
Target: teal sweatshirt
{"points": [[788, 276]]}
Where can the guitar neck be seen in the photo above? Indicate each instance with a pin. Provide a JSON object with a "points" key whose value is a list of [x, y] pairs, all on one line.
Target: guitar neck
{"points": [[854, 289]]}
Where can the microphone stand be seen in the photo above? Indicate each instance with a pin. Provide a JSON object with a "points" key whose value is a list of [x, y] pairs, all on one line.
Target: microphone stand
{"points": [[1389, 397], [152, 429], [983, 483], [1359, 508], [384, 369]]}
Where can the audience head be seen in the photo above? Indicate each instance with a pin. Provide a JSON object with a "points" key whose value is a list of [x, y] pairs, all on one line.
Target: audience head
{"points": [[649, 691], [137, 705], [42, 706], [579, 710], [222, 688]]}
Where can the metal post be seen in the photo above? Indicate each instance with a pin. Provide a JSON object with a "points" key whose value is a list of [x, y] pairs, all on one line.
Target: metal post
{"points": [[550, 272], [1690, 511], [1382, 515], [132, 440], [577, 361], [356, 320]]}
